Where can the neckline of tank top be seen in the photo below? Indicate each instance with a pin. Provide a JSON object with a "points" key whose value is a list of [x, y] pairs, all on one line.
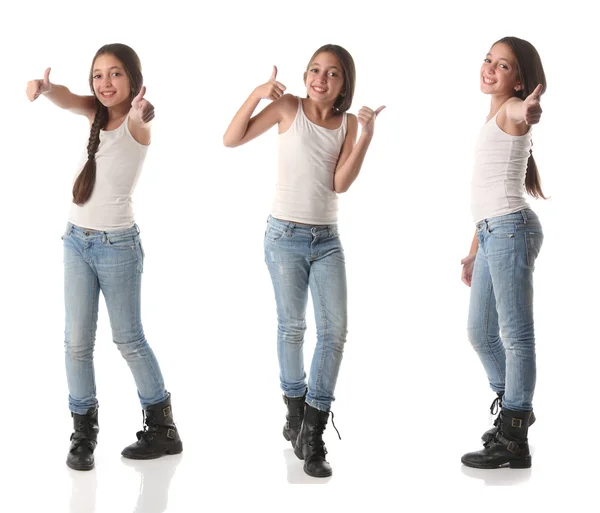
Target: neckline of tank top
{"points": [[509, 135], [116, 129], [301, 109]]}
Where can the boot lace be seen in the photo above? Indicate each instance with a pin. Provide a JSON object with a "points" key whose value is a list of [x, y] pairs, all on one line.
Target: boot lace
{"points": [[494, 409]]}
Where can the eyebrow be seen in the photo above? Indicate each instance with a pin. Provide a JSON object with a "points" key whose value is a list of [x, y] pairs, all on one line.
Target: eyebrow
{"points": [[112, 67], [330, 67], [499, 58]]}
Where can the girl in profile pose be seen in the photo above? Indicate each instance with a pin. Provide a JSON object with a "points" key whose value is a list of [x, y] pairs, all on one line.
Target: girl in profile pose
{"points": [[508, 238], [319, 157], [103, 252]]}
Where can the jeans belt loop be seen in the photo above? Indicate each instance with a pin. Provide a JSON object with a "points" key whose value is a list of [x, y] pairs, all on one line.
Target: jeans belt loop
{"points": [[524, 214]]}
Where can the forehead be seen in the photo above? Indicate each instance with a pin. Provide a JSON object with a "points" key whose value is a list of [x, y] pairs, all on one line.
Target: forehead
{"points": [[327, 60], [502, 51], [107, 60]]}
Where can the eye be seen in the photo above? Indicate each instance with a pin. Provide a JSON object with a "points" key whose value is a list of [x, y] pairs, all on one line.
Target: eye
{"points": [[116, 74], [487, 60], [504, 66], [96, 76], [314, 70], [333, 74]]}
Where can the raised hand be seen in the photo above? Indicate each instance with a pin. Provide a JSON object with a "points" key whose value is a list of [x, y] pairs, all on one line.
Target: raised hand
{"points": [[37, 87], [366, 118], [467, 271], [141, 109], [271, 90], [532, 110]]}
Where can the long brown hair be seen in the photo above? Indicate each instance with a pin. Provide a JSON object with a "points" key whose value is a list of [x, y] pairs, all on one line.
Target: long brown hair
{"points": [[531, 73], [344, 100], [84, 185]]}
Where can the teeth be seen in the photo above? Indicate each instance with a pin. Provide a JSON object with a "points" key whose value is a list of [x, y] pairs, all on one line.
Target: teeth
{"points": [[488, 81], [319, 89]]}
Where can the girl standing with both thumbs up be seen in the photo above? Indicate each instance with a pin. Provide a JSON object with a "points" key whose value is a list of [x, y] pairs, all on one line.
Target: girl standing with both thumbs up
{"points": [[103, 252], [508, 238], [319, 157]]}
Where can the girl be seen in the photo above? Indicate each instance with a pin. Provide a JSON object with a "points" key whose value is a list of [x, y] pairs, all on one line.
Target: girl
{"points": [[508, 238], [318, 158], [103, 252]]}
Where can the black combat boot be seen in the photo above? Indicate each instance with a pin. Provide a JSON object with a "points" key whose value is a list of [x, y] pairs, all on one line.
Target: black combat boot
{"points": [[83, 440], [508, 446], [310, 446], [159, 436]]}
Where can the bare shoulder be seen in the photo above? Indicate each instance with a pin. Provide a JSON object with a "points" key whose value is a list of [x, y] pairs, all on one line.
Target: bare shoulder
{"points": [[288, 108], [352, 127], [289, 104], [352, 119]]}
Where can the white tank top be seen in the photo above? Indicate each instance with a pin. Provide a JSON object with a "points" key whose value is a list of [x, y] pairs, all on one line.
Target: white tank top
{"points": [[308, 155], [498, 185], [119, 161]]}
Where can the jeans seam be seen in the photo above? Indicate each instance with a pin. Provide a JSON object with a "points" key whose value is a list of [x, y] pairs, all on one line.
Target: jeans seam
{"points": [[324, 324], [490, 291]]}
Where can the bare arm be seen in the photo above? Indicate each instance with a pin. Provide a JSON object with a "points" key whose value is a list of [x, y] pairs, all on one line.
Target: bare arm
{"points": [[244, 127], [61, 96], [353, 155]]}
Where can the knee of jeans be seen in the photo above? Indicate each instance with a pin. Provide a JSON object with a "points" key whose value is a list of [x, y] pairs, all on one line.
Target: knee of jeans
{"points": [[131, 347], [519, 346], [334, 336], [292, 333], [79, 348], [477, 336]]}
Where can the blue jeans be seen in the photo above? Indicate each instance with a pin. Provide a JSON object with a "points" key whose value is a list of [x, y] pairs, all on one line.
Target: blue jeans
{"points": [[500, 322], [300, 257], [111, 262]]}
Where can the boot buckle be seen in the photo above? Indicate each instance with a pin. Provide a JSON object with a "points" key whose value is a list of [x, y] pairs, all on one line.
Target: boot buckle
{"points": [[512, 447], [171, 434], [166, 411], [517, 423]]}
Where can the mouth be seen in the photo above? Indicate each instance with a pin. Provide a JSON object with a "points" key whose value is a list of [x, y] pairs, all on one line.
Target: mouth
{"points": [[319, 90], [488, 81], [108, 94]]}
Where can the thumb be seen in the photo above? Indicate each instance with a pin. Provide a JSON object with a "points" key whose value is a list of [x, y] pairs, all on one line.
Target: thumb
{"points": [[536, 93], [274, 74], [379, 110], [140, 95], [47, 76]]}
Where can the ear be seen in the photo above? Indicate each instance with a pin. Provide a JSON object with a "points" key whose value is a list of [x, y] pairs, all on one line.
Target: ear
{"points": [[304, 77], [519, 87]]}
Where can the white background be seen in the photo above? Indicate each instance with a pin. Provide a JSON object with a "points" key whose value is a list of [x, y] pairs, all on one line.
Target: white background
{"points": [[412, 396]]}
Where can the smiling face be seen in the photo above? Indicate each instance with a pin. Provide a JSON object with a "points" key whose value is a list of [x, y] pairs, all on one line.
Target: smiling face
{"points": [[110, 81], [324, 78], [499, 72]]}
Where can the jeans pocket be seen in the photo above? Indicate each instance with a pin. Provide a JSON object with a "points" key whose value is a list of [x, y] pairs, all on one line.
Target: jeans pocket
{"points": [[141, 255], [503, 231], [273, 234], [122, 243], [533, 242]]}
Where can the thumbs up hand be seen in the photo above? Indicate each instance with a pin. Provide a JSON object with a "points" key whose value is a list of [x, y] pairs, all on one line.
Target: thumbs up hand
{"points": [[366, 118], [37, 87], [270, 90], [142, 110], [532, 110]]}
